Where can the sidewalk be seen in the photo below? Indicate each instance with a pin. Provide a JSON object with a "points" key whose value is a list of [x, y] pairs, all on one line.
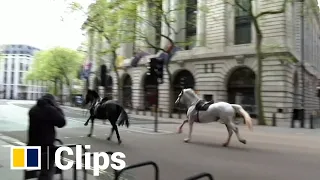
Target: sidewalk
{"points": [[5, 171], [266, 129], [8, 174]]}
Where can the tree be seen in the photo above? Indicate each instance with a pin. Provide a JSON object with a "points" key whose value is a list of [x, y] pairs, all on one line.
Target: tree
{"points": [[56, 65], [247, 7], [161, 17], [104, 19]]}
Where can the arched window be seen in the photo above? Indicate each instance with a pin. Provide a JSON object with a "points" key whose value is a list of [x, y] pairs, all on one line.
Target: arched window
{"points": [[191, 23]]}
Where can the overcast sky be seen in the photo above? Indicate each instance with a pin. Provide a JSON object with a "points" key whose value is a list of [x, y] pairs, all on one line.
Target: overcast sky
{"points": [[38, 23]]}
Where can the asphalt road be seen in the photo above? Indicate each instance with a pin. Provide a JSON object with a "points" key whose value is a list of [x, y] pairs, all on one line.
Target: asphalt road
{"points": [[269, 155]]}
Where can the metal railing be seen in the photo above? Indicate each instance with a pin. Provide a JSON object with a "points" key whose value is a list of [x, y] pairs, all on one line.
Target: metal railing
{"points": [[201, 175], [31, 174]]}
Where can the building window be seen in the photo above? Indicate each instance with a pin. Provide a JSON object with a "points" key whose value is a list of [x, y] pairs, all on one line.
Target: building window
{"points": [[242, 22], [12, 65], [21, 66], [208, 68], [20, 77], [191, 23], [27, 67], [212, 68], [5, 91], [5, 78], [208, 97], [12, 77], [159, 25], [6, 64], [155, 10]]}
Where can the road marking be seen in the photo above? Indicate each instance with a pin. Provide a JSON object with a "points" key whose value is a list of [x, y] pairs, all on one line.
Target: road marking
{"points": [[66, 137], [19, 143], [7, 145]]}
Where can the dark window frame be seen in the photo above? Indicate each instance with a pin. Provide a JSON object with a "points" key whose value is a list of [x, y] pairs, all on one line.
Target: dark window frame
{"points": [[12, 77], [212, 66], [242, 24], [205, 68], [191, 16]]}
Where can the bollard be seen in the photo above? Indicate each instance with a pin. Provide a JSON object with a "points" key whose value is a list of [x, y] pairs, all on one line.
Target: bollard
{"points": [[311, 121], [274, 120], [160, 112]]}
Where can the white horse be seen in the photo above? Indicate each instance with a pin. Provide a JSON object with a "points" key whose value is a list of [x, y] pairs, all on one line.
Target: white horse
{"points": [[222, 111]]}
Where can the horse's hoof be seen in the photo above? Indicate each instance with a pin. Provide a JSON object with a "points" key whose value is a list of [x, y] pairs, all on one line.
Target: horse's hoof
{"points": [[89, 135], [186, 140], [86, 124], [119, 142], [109, 138], [179, 131], [243, 141]]}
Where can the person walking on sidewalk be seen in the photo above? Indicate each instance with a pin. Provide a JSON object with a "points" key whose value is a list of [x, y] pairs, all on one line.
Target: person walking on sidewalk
{"points": [[43, 118]]}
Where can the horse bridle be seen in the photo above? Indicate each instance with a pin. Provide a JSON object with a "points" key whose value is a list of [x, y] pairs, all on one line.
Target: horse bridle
{"points": [[179, 97], [181, 94]]}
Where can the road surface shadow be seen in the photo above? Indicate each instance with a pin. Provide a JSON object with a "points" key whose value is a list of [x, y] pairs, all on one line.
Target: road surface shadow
{"points": [[216, 145], [240, 148], [103, 140]]}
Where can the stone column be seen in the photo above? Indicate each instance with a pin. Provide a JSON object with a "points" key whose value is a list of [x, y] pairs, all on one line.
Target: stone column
{"points": [[201, 23], [179, 17], [126, 48], [164, 27], [90, 54]]}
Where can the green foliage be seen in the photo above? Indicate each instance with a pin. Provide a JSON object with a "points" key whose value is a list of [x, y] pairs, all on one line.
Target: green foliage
{"points": [[57, 63], [105, 19]]}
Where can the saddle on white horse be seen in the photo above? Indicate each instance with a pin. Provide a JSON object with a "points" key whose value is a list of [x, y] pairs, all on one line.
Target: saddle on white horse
{"points": [[202, 105]]}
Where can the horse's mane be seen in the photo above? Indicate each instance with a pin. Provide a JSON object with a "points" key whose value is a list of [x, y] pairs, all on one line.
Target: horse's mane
{"points": [[192, 93], [94, 93]]}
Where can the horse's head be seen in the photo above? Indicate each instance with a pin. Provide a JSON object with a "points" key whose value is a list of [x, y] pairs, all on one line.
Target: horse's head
{"points": [[181, 97], [187, 96], [90, 96]]}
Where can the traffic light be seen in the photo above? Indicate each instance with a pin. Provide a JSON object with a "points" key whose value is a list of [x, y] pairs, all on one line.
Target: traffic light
{"points": [[152, 67], [156, 69], [160, 63], [103, 75]]}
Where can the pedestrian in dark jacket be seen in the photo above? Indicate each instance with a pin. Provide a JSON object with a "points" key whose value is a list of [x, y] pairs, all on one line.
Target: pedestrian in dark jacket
{"points": [[43, 118]]}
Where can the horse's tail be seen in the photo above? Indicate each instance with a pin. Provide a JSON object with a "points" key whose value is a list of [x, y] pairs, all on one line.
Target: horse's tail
{"points": [[123, 118], [245, 114]]}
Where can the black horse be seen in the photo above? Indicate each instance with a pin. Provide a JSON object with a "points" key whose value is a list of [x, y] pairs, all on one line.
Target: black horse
{"points": [[102, 108]]}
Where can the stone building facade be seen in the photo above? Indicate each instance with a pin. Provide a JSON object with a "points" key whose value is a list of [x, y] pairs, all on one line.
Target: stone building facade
{"points": [[222, 65]]}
